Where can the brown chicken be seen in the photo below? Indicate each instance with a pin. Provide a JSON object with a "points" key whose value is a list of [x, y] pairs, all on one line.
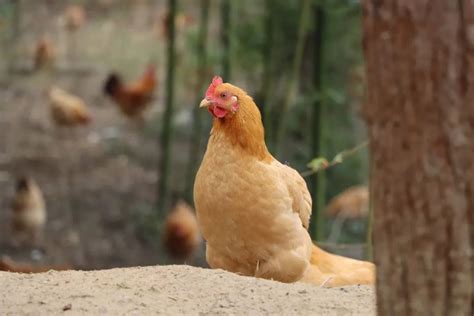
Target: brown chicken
{"points": [[181, 235], [134, 98], [44, 53], [254, 211], [29, 212], [353, 203], [7, 264], [67, 109], [182, 22], [75, 16]]}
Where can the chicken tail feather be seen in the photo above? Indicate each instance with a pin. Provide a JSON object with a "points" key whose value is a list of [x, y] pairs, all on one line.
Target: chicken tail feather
{"points": [[112, 84], [332, 270]]}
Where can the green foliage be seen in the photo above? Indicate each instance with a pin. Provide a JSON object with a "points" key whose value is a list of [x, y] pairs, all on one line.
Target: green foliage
{"points": [[321, 163], [318, 163]]}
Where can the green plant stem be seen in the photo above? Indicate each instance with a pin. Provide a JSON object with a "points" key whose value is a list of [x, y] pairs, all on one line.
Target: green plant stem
{"points": [[14, 34], [280, 127], [267, 81], [339, 158], [167, 131], [196, 131], [226, 29], [318, 181]]}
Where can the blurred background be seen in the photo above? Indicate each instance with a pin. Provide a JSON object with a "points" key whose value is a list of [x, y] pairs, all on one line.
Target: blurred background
{"points": [[106, 180]]}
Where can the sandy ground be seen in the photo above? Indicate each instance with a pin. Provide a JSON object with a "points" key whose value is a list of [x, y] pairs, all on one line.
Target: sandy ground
{"points": [[172, 290]]}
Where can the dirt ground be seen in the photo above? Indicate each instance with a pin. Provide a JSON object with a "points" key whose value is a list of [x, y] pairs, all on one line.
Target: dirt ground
{"points": [[172, 290]]}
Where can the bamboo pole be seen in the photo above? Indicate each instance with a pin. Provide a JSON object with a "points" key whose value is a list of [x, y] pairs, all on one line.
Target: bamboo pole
{"points": [[226, 28], [280, 127], [14, 33], [267, 81], [318, 181], [167, 131], [195, 147]]}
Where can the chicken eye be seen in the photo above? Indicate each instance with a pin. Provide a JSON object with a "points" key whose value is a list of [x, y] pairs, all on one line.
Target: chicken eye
{"points": [[223, 95]]}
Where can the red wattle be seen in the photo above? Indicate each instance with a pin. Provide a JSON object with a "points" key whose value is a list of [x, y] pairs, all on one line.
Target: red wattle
{"points": [[219, 112]]}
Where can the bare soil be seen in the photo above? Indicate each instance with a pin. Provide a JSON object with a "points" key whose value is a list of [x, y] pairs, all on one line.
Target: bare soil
{"points": [[172, 290]]}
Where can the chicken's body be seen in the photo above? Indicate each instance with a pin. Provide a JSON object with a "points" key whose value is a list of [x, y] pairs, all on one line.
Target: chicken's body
{"points": [[29, 212], [248, 221], [132, 99], [352, 203], [67, 109], [7, 264], [181, 236], [254, 211], [333, 270], [44, 53], [182, 22], [75, 16]]}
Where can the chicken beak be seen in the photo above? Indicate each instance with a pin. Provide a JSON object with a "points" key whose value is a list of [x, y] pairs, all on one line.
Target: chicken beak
{"points": [[204, 103]]}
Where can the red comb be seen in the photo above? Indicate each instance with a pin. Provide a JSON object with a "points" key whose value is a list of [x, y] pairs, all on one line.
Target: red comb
{"points": [[215, 82]]}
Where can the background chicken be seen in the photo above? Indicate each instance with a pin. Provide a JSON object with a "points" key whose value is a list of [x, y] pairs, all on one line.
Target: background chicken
{"points": [[44, 53], [352, 203], [352, 206], [132, 99], [254, 211], [7, 264], [28, 213], [75, 16], [181, 234], [182, 22], [67, 109]]}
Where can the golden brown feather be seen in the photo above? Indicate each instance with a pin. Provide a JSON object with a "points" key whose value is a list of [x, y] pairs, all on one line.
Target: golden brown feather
{"points": [[44, 53], [75, 17], [352, 203], [181, 235], [28, 212], [67, 109]]}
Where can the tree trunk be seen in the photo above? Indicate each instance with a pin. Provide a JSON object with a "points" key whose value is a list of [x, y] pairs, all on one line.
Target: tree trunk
{"points": [[166, 133], [420, 115], [195, 148], [318, 180]]}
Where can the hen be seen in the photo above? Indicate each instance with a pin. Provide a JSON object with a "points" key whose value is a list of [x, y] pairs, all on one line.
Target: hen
{"points": [[44, 53], [352, 206], [67, 109], [353, 203], [75, 16], [29, 212], [254, 211], [7, 264], [132, 99], [181, 235], [182, 22]]}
